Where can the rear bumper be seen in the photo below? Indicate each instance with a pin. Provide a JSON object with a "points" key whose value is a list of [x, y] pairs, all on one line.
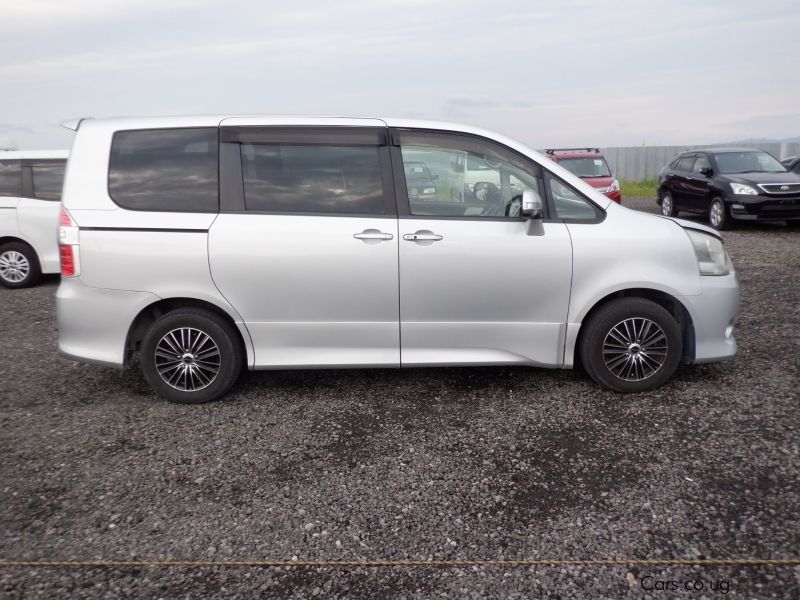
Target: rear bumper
{"points": [[93, 323], [713, 313], [616, 196]]}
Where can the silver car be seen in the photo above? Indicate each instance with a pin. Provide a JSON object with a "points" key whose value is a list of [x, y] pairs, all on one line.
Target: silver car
{"points": [[213, 244]]}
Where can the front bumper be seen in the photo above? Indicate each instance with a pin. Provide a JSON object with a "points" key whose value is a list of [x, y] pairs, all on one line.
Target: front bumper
{"points": [[765, 208], [93, 323], [713, 313]]}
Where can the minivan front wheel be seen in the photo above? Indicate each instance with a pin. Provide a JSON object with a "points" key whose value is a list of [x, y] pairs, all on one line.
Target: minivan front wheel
{"points": [[191, 356], [19, 266], [631, 345]]}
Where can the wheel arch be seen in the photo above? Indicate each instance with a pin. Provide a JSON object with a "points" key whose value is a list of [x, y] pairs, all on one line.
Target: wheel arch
{"points": [[150, 313], [7, 239], [668, 301]]}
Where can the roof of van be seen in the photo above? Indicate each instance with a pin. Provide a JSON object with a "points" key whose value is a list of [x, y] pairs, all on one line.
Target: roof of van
{"points": [[32, 154], [121, 123]]}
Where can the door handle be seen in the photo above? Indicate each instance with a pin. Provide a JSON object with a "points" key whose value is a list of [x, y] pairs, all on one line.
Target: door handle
{"points": [[373, 234], [422, 236]]}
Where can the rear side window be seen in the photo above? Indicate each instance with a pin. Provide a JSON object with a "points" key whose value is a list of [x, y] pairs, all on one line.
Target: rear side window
{"points": [[685, 164], [10, 178], [47, 181], [312, 178], [165, 170]]}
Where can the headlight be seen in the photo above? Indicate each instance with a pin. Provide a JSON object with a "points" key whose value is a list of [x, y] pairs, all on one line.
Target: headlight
{"points": [[744, 190], [429, 191], [614, 186], [711, 256]]}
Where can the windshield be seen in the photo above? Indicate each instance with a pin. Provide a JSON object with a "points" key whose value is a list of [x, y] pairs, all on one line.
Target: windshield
{"points": [[586, 167], [417, 170], [747, 162]]}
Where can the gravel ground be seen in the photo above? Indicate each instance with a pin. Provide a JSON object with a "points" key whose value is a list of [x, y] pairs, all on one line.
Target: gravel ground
{"points": [[416, 464]]}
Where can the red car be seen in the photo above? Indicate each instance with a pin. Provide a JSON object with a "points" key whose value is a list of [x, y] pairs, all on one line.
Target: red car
{"points": [[588, 164]]}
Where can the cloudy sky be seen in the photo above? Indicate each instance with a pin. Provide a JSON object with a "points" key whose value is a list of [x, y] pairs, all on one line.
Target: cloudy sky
{"points": [[549, 73]]}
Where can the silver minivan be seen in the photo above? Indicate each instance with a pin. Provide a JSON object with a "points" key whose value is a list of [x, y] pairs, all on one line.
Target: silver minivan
{"points": [[208, 245]]}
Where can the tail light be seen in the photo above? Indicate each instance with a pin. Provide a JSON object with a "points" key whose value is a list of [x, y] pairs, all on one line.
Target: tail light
{"points": [[68, 240]]}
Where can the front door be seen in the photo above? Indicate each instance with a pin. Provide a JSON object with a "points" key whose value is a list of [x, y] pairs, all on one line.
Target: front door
{"points": [[478, 284], [305, 246]]}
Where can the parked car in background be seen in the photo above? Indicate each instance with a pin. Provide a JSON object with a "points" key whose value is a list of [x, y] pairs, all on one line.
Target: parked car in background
{"points": [[421, 184], [206, 245], [729, 185], [590, 165], [30, 191], [792, 164]]}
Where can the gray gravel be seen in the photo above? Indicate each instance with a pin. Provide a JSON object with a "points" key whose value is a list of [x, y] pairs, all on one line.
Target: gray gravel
{"points": [[438, 463]]}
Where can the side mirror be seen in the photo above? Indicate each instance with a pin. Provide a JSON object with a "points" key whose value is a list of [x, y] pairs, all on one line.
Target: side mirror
{"points": [[707, 171], [532, 205], [434, 177]]}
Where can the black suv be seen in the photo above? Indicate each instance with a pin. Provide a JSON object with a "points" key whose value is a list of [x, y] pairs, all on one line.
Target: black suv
{"points": [[792, 164], [730, 184]]}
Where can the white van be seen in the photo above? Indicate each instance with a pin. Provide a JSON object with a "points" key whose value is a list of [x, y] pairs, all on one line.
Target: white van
{"points": [[30, 192], [213, 244]]}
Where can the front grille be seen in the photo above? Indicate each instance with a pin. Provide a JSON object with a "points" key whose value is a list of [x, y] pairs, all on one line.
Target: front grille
{"points": [[780, 188]]}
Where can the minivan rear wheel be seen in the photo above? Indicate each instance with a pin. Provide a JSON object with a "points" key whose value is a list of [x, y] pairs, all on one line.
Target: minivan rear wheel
{"points": [[191, 356], [631, 345], [19, 265]]}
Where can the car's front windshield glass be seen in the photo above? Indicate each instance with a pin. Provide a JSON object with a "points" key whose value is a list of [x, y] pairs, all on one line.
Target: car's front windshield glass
{"points": [[417, 170], [586, 167], [747, 162]]}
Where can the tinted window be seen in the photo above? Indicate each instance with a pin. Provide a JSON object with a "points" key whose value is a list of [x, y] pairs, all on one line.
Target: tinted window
{"points": [[10, 178], [569, 204], [685, 164], [748, 162], [701, 163], [165, 169], [464, 183], [586, 166], [312, 179], [47, 181]]}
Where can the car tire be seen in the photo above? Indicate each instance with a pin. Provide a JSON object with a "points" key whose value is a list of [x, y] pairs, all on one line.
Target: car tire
{"points": [[718, 216], [653, 339], [191, 356], [19, 265], [667, 205], [793, 224]]}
